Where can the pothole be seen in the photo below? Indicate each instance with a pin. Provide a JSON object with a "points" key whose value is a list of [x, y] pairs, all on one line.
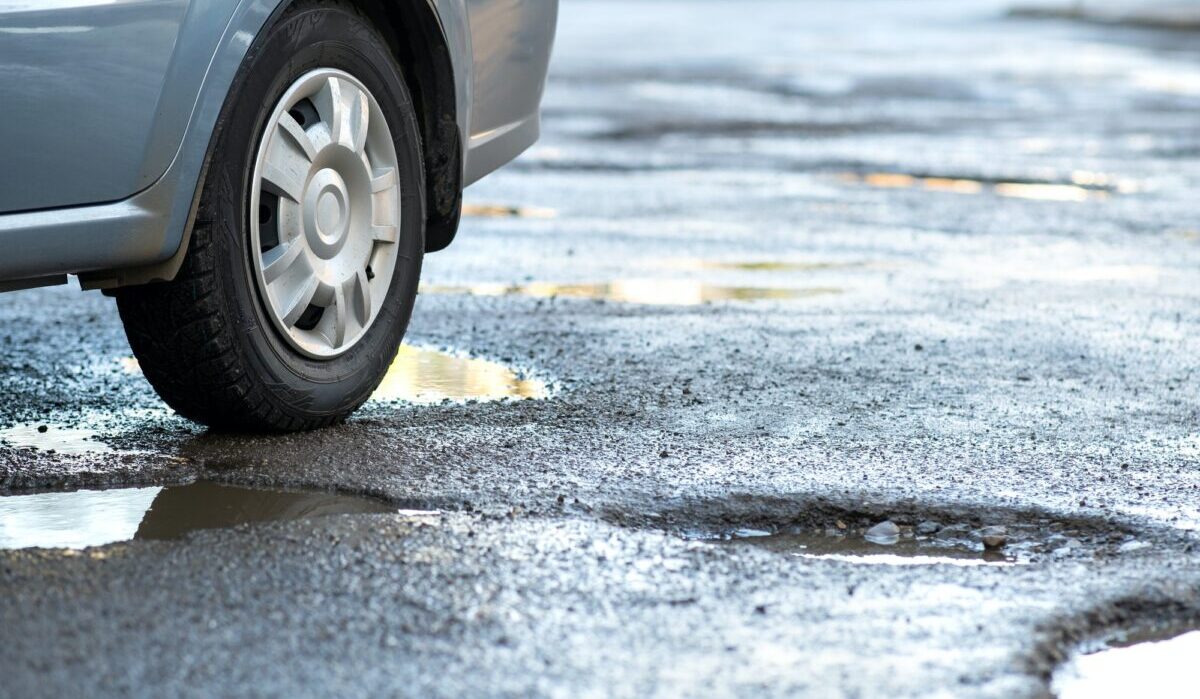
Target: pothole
{"points": [[702, 264], [887, 533], [506, 211], [426, 376], [84, 518], [1155, 663], [884, 544], [1082, 187], [55, 439], [88, 432], [663, 292]]}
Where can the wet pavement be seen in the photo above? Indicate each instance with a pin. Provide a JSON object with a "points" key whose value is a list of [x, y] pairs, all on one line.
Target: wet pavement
{"points": [[974, 253]]}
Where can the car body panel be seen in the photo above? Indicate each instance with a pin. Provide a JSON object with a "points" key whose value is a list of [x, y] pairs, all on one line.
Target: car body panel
{"points": [[511, 41], [112, 242], [80, 82]]}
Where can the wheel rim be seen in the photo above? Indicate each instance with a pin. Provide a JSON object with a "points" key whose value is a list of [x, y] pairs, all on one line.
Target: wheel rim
{"points": [[325, 213]]}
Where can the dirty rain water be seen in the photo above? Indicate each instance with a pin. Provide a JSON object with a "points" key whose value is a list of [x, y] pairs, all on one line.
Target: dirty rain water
{"points": [[664, 292], [855, 548], [426, 376], [1083, 187], [55, 439], [85, 518]]}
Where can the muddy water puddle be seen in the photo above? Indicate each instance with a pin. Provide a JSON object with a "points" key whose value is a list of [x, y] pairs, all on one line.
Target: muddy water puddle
{"points": [[506, 211], [418, 375], [88, 433], [1158, 663], [1082, 187], [702, 264], [85, 518], [426, 376], [863, 548], [662, 292], [55, 439]]}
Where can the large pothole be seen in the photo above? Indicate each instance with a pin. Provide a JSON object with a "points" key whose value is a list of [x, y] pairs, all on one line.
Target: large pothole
{"points": [[879, 533], [85, 518], [650, 291], [932, 546]]}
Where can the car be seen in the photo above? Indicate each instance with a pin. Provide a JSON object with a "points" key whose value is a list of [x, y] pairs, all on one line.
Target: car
{"points": [[256, 182]]}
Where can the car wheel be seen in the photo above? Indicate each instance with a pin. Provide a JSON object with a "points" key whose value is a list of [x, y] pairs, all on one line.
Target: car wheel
{"points": [[306, 251]]}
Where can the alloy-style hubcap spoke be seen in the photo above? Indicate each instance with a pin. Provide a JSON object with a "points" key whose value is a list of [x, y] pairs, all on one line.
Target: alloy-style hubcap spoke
{"points": [[325, 205]]}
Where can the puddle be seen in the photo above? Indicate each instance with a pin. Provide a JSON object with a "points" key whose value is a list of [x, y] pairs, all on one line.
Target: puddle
{"points": [[55, 439], [854, 547], [427, 376], [502, 211], [665, 292], [1084, 187], [84, 518], [1159, 665], [699, 264]]}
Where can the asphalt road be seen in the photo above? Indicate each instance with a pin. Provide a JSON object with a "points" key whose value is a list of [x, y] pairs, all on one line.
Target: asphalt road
{"points": [[856, 261]]}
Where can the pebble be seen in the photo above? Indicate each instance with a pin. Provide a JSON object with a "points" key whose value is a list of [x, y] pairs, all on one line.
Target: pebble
{"points": [[886, 533], [953, 531], [994, 537], [928, 527], [747, 533]]}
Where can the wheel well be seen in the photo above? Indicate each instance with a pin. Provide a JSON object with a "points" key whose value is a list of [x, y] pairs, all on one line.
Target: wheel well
{"points": [[414, 32]]}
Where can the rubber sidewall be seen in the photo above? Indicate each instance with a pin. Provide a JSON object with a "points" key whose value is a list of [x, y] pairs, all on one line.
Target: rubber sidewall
{"points": [[297, 385]]}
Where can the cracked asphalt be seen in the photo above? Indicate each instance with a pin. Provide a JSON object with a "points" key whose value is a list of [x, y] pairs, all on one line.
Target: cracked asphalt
{"points": [[989, 224]]}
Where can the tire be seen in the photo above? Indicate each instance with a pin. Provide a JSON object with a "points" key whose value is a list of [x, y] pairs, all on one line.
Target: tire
{"points": [[211, 342]]}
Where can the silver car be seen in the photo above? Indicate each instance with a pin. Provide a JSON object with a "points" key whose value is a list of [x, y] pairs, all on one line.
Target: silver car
{"points": [[256, 181]]}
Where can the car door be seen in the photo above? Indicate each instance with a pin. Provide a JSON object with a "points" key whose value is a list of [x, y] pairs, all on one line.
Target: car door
{"points": [[80, 86], [512, 41]]}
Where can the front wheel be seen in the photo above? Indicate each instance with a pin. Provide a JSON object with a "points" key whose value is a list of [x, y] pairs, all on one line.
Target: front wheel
{"points": [[306, 252]]}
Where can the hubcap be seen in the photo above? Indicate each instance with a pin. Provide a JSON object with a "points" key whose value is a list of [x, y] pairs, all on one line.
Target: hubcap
{"points": [[325, 213]]}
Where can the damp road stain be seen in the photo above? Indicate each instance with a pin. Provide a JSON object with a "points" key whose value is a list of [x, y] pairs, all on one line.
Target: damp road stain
{"points": [[426, 376], [861, 550], [85, 518], [660, 292], [1160, 665], [1085, 187]]}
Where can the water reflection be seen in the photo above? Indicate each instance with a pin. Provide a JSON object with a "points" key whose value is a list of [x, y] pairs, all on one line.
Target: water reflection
{"points": [[1154, 667], [666, 292], [1084, 186], [86, 518], [427, 376]]}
